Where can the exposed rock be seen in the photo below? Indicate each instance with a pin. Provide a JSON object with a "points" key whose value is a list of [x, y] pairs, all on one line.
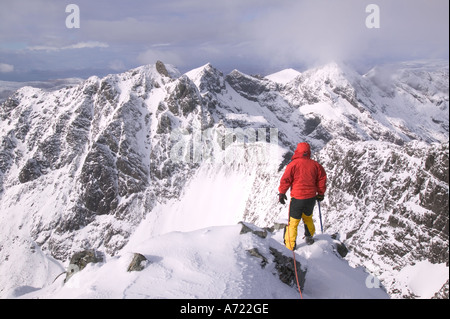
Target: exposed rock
{"points": [[212, 80], [184, 98], [247, 228], [99, 178], [339, 246], [138, 262], [31, 171], [164, 124], [276, 226], [247, 86], [255, 253], [10, 104], [107, 91], [80, 260], [161, 68], [286, 269], [284, 265]]}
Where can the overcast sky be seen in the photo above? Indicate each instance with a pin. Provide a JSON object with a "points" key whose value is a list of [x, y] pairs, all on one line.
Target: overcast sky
{"points": [[254, 36]]}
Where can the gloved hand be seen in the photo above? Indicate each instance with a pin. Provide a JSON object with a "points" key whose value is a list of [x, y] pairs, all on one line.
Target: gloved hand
{"points": [[282, 198], [320, 197]]}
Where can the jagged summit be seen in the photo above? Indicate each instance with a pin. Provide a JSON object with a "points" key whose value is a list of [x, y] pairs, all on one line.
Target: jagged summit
{"points": [[166, 70], [207, 78]]}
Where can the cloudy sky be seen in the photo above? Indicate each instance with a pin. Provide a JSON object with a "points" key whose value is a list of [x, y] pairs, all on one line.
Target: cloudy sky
{"points": [[254, 36]]}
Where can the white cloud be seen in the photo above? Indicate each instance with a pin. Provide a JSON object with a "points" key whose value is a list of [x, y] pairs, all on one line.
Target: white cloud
{"points": [[85, 45], [251, 35], [316, 32], [79, 45], [6, 68]]}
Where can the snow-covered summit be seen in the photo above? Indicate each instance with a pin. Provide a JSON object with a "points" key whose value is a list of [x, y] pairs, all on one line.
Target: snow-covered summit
{"points": [[207, 78], [283, 77]]}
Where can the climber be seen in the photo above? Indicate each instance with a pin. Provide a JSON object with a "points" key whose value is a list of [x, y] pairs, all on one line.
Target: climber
{"points": [[307, 180]]}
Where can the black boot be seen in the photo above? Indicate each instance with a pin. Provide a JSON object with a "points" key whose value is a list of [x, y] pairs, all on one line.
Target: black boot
{"points": [[309, 240]]}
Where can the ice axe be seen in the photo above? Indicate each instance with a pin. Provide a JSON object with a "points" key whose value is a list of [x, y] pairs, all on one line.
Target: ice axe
{"points": [[320, 216]]}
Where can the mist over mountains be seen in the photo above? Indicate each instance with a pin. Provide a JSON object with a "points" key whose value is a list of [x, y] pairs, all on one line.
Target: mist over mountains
{"points": [[83, 166]]}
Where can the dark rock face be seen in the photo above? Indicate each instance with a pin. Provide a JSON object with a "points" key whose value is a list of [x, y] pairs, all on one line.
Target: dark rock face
{"points": [[286, 269], [10, 104], [284, 266], [408, 188], [248, 87], [100, 179], [212, 81], [31, 170], [339, 246], [184, 98], [7, 147], [161, 68]]}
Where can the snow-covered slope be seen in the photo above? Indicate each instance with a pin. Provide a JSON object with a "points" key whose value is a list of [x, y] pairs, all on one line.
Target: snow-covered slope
{"points": [[212, 262], [84, 167]]}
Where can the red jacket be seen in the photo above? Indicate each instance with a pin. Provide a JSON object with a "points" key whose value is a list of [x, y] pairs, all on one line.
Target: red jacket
{"points": [[304, 176]]}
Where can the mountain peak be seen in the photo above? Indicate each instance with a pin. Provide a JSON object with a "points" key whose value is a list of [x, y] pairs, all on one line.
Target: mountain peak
{"points": [[333, 71], [284, 76], [159, 68], [207, 78], [198, 72]]}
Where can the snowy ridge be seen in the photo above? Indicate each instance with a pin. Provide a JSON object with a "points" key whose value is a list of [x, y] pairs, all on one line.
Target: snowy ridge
{"points": [[284, 76], [86, 166], [7, 88], [210, 263]]}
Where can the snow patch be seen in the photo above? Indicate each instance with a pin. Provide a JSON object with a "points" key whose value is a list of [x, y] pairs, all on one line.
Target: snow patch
{"points": [[424, 278]]}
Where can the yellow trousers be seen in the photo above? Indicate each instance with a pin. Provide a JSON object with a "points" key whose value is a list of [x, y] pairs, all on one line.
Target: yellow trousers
{"points": [[290, 236]]}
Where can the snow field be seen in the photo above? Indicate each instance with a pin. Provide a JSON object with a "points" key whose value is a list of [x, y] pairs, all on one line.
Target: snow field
{"points": [[210, 263]]}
